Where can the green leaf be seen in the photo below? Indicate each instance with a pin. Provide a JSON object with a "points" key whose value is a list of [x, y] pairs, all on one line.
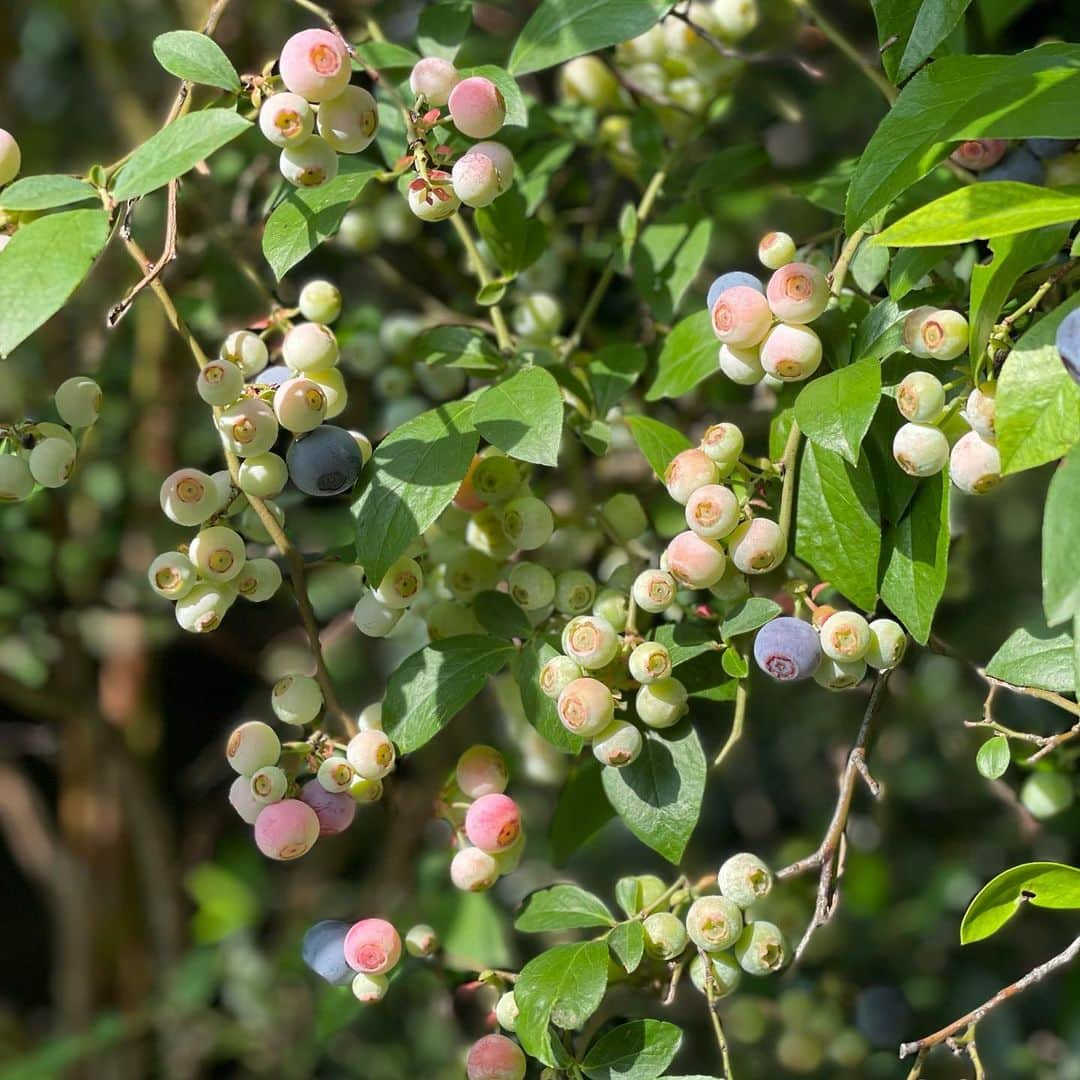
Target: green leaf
{"points": [[308, 216], [491, 294], [443, 26], [668, 256], [656, 441], [612, 371], [1035, 658], [895, 487], [499, 615], [916, 556], [880, 333], [197, 58], [42, 265], [412, 477], [517, 113], [432, 686], [540, 710], [982, 211], [658, 796], [997, 14], [964, 97], [45, 193], [523, 416], [580, 811], [993, 757], [1038, 405], [562, 986], [1042, 884], [515, 240], [689, 355], [910, 266], [559, 30], [753, 614], [835, 410], [1060, 547], [685, 641], [734, 664], [175, 150], [910, 30], [386, 55], [639, 1050], [869, 266], [456, 346], [562, 907], [838, 523], [627, 944], [992, 282]]}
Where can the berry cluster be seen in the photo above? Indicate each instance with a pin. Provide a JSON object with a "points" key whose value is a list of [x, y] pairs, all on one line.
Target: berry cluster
{"points": [[44, 452], [834, 649], [1029, 162], [486, 822], [763, 328], [315, 67]]}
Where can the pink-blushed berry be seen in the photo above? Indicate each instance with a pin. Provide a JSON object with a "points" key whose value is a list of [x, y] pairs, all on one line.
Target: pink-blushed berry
{"points": [[349, 121], [741, 317], [723, 973], [334, 809], [201, 610], [372, 946], [797, 293], [10, 157], [475, 180], [310, 346], [920, 450], [243, 801], [557, 674], [503, 160], [586, 707], [369, 989], [714, 923], [286, 119], [296, 699], [493, 822], [618, 744], [979, 154], [315, 64], [654, 591], [335, 774], [268, 785], [744, 878], [473, 870], [712, 511], [527, 522], [371, 754], [481, 770], [649, 661], [251, 746], [695, 561], [980, 409], [761, 949], [775, 249], [249, 427], [401, 584], [373, 618], [936, 332], [974, 464], [787, 649], [495, 1057], [188, 497], [52, 462], [741, 366], [888, 643], [791, 352], [662, 703], [311, 164], [665, 935], [247, 350], [920, 397], [286, 830], [688, 471], [220, 382], [590, 641], [433, 198], [722, 443], [421, 940], [432, 79], [78, 401], [845, 636], [477, 107], [172, 575]]}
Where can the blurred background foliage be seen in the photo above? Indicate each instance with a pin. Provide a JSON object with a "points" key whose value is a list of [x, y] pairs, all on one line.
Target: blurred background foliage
{"points": [[143, 933]]}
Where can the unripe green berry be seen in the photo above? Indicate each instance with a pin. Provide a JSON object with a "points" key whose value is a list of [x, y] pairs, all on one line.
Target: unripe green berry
{"points": [[78, 401], [654, 591], [251, 746], [920, 450], [296, 699], [363, 790], [299, 405], [741, 366], [557, 674], [845, 636], [618, 744], [624, 517], [473, 870], [52, 462], [714, 923], [259, 580], [662, 703], [310, 346], [371, 754], [16, 480], [839, 674], [469, 574], [665, 935], [775, 250], [368, 989], [724, 969], [421, 940], [336, 774], [538, 317], [920, 397], [744, 879], [980, 409], [1046, 794], [348, 122], [220, 382], [586, 707], [507, 1011], [374, 618], [528, 523], [201, 610], [218, 553], [888, 643], [761, 949], [938, 333], [247, 350], [495, 478], [575, 592], [269, 785], [485, 533], [172, 575], [613, 605], [249, 427], [401, 584], [447, 619], [263, 475], [311, 164], [649, 662], [532, 586]]}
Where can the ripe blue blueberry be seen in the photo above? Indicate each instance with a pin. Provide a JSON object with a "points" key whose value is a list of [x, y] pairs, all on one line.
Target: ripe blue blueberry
{"points": [[1021, 166], [729, 281], [1068, 343], [323, 950], [787, 649], [326, 461], [1049, 148]]}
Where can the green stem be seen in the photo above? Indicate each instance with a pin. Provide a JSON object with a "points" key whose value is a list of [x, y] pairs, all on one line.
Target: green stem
{"points": [[847, 253], [742, 694], [787, 491], [483, 275]]}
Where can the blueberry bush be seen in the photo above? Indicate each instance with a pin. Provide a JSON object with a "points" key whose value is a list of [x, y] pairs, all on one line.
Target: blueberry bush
{"points": [[562, 384]]}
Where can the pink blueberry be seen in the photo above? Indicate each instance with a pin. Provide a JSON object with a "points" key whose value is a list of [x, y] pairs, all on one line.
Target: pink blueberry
{"points": [[791, 352], [495, 1057], [286, 119], [712, 511], [979, 154], [334, 809], [975, 464], [493, 822], [798, 293], [481, 771], [476, 180], [757, 546], [372, 946], [315, 64], [695, 561], [473, 870], [501, 158], [286, 830], [741, 316], [688, 471], [477, 107]]}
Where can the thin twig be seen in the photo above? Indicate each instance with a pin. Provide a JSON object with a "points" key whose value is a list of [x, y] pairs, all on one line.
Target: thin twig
{"points": [[483, 275], [847, 253], [1036, 975], [718, 1029], [742, 693]]}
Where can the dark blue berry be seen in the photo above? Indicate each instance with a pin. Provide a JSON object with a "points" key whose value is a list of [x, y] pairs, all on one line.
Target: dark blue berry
{"points": [[326, 461], [323, 951], [1050, 148], [1021, 165], [1068, 343], [787, 649], [729, 281]]}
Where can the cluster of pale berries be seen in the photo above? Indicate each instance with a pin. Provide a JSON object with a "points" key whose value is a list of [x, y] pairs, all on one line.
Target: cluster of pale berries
{"points": [[294, 794], [920, 446], [297, 396], [315, 67], [487, 822], [763, 328], [835, 648], [477, 109], [43, 452]]}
